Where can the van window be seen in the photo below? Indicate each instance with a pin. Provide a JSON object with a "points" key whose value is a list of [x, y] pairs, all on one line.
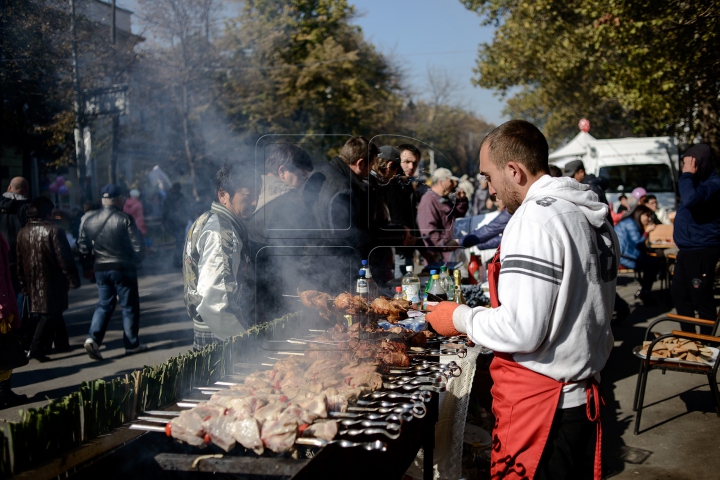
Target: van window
{"points": [[625, 178]]}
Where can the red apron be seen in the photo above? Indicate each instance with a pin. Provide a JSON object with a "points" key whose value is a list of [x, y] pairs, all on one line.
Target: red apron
{"points": [[524, 405]]}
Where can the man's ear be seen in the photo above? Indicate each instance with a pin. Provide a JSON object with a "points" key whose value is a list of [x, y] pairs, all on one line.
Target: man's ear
{"points": [[360, 163], [515, 171], [220, 194]]}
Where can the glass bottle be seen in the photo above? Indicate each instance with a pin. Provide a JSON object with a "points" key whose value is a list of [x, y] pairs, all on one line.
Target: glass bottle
{"points": [[411, 286], [458, 295], [446, 282]]}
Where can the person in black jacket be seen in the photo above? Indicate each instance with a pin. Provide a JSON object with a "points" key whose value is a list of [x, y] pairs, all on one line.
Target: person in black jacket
{"points": [[697, 235], [119, 247], [13, 216]]}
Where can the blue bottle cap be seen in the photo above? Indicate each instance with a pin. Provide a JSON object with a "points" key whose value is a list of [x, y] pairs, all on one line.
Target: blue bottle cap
{"points": [[361, 272], [433, 272], [364, 262]]}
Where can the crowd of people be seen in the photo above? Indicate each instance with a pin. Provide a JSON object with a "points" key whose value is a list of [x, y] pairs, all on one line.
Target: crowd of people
{"points": [[304, 224]]}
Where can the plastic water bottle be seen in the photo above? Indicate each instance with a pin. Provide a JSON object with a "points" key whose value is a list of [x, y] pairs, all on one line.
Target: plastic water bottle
{"points": [[361, 285], [446, 282], [430, 282], [411, 286], [399, 294]]}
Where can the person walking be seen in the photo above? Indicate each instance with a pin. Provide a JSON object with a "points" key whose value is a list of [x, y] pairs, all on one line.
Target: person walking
{"points": [[134, 207], [118, 246], [13, 207], [46, 271], [552, 288], [9, 322], [697, 235]]}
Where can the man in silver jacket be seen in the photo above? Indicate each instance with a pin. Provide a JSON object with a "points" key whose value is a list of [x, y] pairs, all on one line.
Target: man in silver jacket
{"points": [[216, 261]]}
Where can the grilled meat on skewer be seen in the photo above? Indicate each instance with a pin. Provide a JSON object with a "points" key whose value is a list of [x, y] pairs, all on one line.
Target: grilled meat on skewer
{"points": [[351, 304], [393, 310], [317, 300]]}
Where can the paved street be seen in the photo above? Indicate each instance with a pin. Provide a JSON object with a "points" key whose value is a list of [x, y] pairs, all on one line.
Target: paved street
{"points": [[164, 326], [679, 428]]}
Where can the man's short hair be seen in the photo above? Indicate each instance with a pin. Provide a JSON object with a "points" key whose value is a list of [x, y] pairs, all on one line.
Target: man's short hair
{"points": [[358, 147], [650, 197], [40, 207], [289, 155], [233, 177], [555, 171], [410, 148], [518, 141]]}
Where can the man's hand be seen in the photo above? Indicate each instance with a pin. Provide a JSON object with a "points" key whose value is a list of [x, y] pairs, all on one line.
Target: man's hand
{"points": [[441, 318], [689, 165]]}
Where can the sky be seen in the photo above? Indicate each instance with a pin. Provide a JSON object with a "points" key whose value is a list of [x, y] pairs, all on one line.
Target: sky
{"points": [[422, 34], [432, 33]]}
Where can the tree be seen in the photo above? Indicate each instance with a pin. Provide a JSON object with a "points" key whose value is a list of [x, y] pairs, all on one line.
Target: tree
{"points": [[298, 66], [642, 67]]}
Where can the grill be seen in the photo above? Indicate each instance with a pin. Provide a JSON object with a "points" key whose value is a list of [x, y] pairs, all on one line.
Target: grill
{"points": [[379, 435]]}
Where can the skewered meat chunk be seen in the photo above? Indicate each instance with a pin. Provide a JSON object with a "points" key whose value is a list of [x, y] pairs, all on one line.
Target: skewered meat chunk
{"points": [[269, 412], [351, 304], [279, 435], [391, 309], [323, 430], [317, 300], [188, 428], [397, 359], [247, 433], [220, 430]]}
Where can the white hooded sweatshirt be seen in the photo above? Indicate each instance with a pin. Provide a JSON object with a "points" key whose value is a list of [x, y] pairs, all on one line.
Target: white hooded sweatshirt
{"points": [[559, 260]]}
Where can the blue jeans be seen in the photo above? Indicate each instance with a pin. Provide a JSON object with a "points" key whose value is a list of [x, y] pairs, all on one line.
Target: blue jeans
{"points": [[112, 283]]}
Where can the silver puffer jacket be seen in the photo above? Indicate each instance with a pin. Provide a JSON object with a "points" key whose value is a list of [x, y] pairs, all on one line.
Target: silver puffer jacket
{"points": [[219, 293]]}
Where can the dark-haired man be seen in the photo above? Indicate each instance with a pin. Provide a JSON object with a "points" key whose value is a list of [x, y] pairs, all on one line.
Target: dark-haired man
{"points": [[697, 235], [281, 219], [46, 270], [552, 286], [13, 206], [216, 260], [119, 247]]}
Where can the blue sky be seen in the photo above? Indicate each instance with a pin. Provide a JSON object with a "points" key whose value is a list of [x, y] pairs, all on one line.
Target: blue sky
{"points": [[420, 34], [432, 33]]}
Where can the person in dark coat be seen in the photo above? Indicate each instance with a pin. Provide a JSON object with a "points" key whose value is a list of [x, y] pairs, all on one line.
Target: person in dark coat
{"points": [[280, 223], [118, 247], [46, 271], [13, 216], [488, 236], [176, 214], [697, 235], [10, 321]]}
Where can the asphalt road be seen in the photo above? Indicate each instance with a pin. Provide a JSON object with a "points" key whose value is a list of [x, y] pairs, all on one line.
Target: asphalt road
{"points": [[164, 326]]}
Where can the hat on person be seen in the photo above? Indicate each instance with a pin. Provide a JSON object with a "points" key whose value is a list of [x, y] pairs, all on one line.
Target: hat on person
{"points": [[639, 192], [135, 193], [443, 173], [572, 167], [388, 152], [110, 191]]}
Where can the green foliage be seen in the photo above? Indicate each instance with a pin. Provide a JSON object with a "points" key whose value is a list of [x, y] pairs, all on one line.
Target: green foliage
{"points": [[298, 66], [642, 67]]}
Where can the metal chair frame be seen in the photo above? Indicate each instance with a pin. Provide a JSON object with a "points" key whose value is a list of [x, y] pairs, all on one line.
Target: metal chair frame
{"points": [[647, 364]]}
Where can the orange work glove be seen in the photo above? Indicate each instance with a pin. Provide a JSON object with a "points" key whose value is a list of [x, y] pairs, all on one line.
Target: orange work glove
{"points": [[441, 318]]}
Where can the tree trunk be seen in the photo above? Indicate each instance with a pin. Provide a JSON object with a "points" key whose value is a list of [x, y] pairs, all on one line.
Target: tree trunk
{"points": [[186, 135]]}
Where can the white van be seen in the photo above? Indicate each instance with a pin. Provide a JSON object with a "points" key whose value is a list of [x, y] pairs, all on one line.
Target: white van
{"points": [[627, 163]]}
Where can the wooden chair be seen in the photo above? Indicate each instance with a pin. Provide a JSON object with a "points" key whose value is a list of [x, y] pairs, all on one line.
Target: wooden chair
{"points": [[647, 364]]}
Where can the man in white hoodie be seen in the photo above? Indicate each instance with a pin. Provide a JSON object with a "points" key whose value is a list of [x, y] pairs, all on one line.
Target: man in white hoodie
{"points": [[553, 289]]}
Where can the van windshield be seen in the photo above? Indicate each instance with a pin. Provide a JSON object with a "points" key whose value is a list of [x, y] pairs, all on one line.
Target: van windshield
{"points": [[625, 178]]}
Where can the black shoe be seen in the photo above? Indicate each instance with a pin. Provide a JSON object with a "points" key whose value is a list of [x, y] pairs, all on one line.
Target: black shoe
{"points": [[8, 398], [39, 357]]}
